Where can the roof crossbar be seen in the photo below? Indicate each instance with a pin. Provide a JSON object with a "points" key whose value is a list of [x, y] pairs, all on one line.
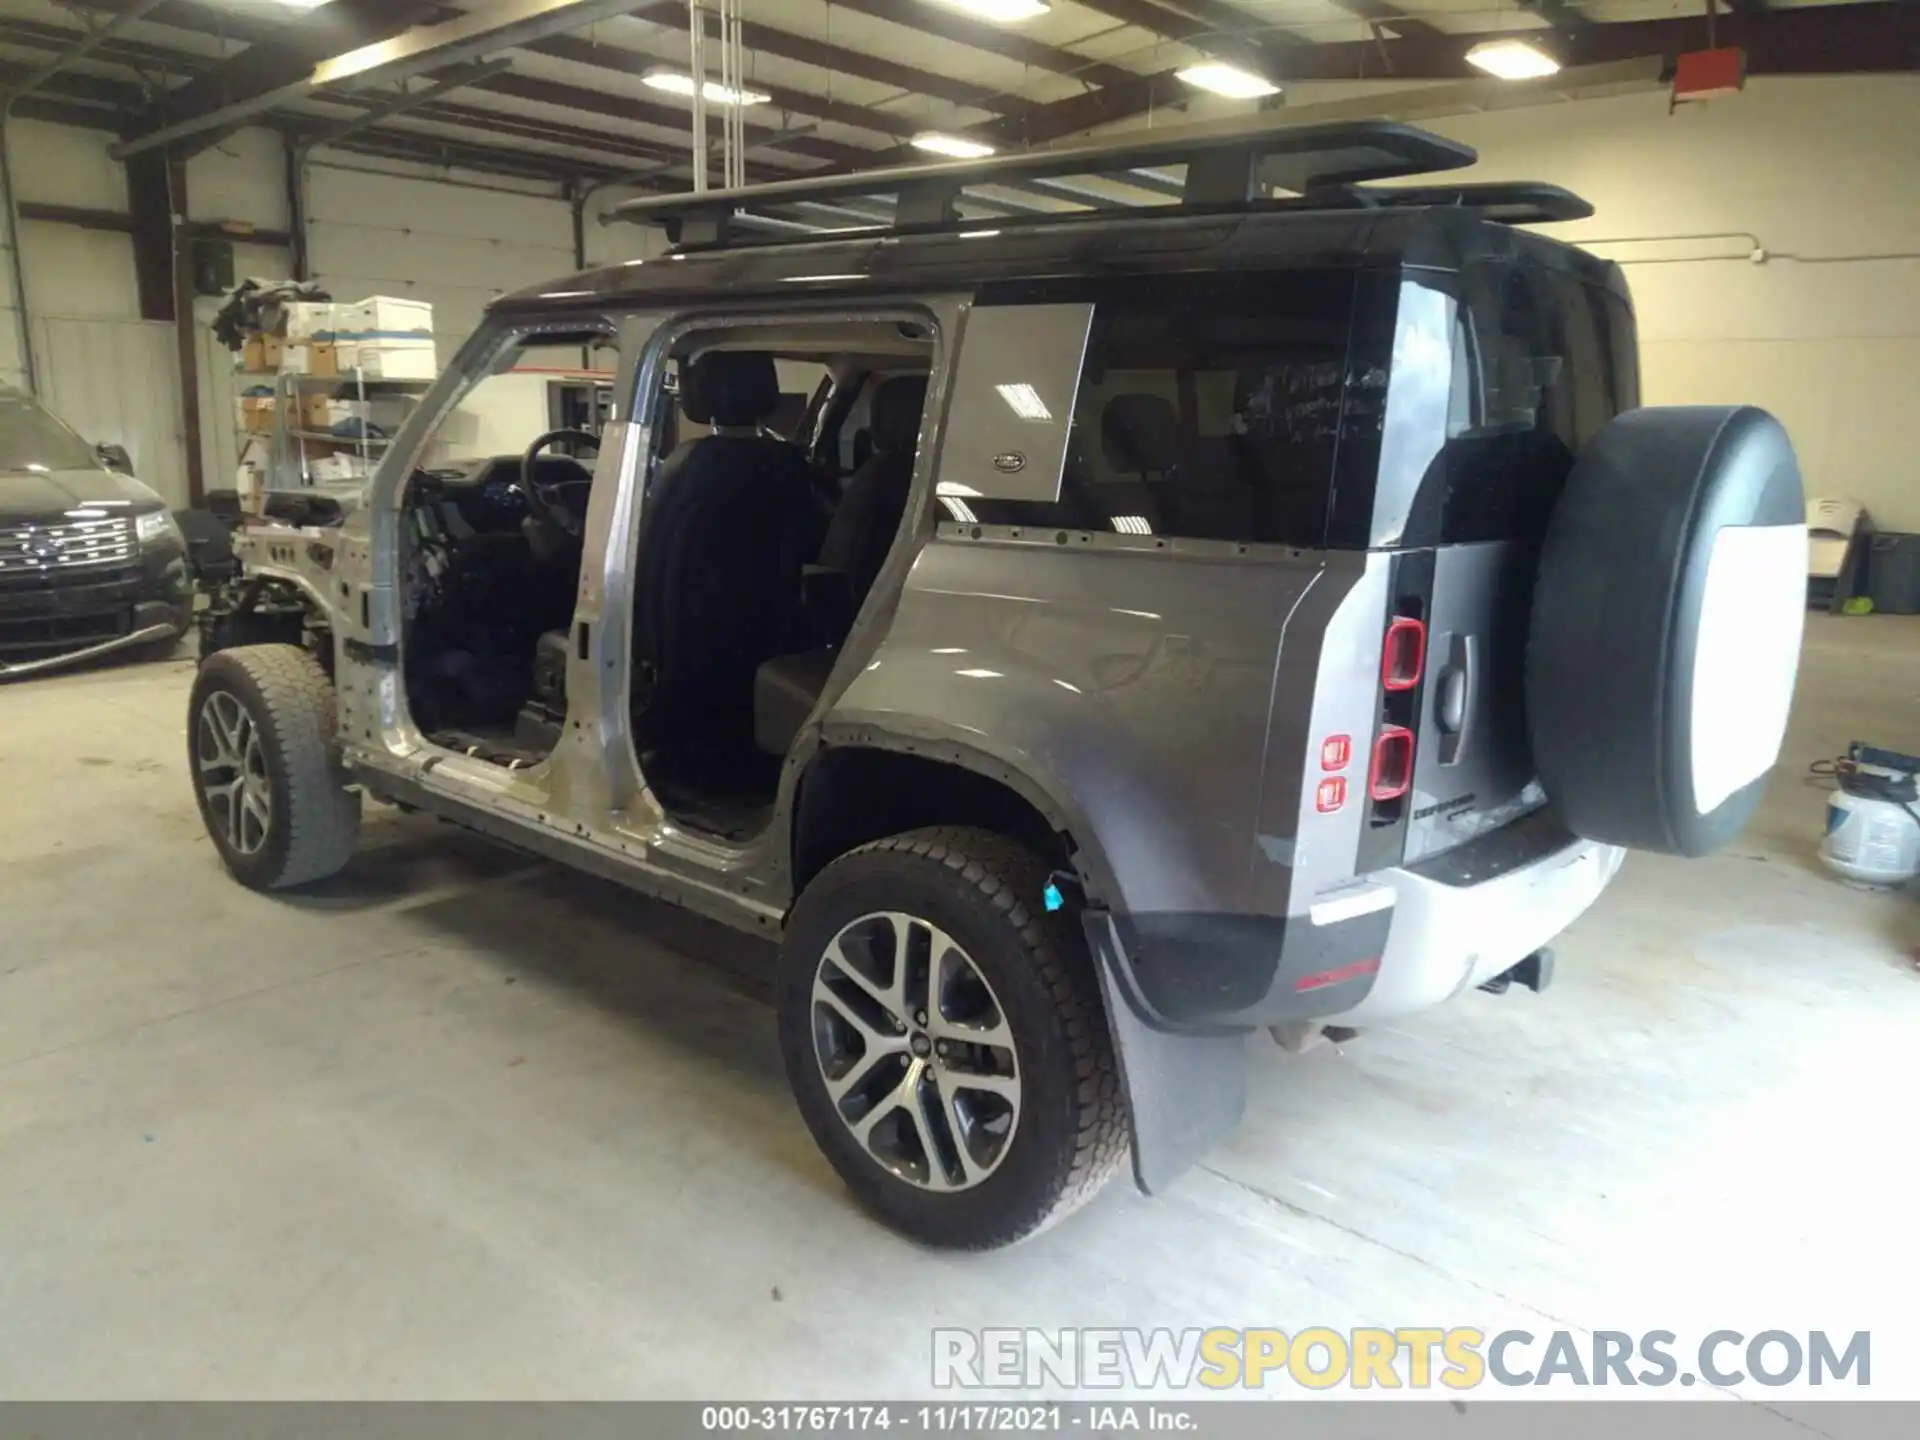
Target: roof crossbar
{"points": [[1225, 169]]}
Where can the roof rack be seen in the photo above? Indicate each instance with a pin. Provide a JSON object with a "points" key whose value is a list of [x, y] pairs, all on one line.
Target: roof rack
{"points": [[1510, 202], [1226, 169]]}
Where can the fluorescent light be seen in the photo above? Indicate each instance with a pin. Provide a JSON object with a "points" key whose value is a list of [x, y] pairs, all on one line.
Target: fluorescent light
{"points": [[816, 279], [959, 509], [981, 674], [956, 146], [978, 234], [1132, 525], [1512, 59], [674, 83], [301, 4], [1024, 401], [1004, 12], [1228, 80]]}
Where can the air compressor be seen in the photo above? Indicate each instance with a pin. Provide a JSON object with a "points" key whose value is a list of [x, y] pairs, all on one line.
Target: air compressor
{"points": [[1873, 820]]}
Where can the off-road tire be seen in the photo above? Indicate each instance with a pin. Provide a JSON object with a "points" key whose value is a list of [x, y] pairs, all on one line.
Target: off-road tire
{"points": [[986, 891], [315, 818]]}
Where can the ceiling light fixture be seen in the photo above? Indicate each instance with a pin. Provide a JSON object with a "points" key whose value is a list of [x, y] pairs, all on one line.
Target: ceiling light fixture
{"points": [[675, 83], [1001, 12], [957, 147], [1512, 59], [1229, 80]]}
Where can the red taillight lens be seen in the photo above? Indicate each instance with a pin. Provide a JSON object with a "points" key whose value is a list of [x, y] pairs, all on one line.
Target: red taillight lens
{"points": [[1335, 752], [1404, 655], [1331, 795], [1392, 772]]}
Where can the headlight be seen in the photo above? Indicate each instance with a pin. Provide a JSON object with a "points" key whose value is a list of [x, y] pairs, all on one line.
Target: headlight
{"points": [[157, 526]]}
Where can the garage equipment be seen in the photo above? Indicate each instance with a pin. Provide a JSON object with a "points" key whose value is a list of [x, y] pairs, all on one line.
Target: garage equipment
{"points": [[1873, 827]]}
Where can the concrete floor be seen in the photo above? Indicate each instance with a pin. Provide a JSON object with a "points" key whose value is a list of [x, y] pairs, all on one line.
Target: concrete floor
{"points": [[463, 1125]]}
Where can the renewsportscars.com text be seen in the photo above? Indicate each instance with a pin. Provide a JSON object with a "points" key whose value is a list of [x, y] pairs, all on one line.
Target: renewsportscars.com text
{"points": [[1416, 1358]]}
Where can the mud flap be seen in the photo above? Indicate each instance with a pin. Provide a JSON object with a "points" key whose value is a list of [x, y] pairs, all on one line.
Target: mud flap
{"points": [[1185, 1093]]}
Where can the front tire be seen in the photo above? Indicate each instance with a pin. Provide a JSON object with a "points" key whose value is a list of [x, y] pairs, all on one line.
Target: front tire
{"points": [[260, 743], [945, 1040]]}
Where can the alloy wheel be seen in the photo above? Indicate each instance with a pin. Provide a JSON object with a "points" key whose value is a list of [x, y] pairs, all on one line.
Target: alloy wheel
{"points": [[914, 1047], [233, 772]]}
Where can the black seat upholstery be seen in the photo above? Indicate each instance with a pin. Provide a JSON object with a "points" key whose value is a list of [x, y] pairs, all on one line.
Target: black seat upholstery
{"points": [[872, 505], [874, 500], [729, 522]]}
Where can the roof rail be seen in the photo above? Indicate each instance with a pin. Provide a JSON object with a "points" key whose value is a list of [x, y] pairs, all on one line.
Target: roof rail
{"points": [[1227, 168]]}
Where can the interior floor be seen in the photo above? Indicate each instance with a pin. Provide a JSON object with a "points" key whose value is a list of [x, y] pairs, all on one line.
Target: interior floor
{"points": [[388, 1139]]}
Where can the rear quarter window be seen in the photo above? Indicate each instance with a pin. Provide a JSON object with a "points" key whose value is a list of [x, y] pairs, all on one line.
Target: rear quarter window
{"points": [[1207, 408]]}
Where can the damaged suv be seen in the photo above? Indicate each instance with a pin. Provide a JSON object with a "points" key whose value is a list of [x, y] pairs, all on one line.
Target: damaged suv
{"points": [[1251, 600]]}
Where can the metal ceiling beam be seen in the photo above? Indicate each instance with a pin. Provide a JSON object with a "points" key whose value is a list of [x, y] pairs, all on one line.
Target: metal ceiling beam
{"points": [[979, 35], [82, 47], [277, 56], [541, 91], [505, 124], [406, 102], [582, 51], [415, 51], [838, 59], [1877, 37]]}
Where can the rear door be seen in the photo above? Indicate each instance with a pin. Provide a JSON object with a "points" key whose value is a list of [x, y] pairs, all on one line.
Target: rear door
{"points": [[1501, 375]]}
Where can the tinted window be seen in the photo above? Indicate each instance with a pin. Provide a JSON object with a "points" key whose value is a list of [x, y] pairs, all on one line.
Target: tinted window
{"points": [[1207, 409], [1541, 363], [31, 439]]}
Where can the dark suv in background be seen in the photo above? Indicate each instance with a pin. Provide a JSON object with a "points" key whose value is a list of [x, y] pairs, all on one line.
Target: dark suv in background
{"points": [[91, 561]]}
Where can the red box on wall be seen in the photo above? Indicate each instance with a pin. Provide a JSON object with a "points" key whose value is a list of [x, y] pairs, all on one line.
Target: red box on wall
{"points": [[1702, 74]]}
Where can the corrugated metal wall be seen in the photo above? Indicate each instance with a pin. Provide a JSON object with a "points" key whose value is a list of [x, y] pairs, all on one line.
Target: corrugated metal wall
{"points": [[116, 381]]}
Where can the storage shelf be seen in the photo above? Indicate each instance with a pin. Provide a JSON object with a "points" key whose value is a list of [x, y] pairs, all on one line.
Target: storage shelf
{"points": [[355, 442], [350, 379]]}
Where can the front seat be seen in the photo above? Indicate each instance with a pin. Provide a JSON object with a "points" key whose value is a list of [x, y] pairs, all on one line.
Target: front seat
{"points": [[729, 522], [872, 505], [874, 500]]}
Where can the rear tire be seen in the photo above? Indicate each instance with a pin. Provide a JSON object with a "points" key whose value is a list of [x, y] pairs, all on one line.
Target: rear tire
{"points": [[266, 773], [1020, 974]]}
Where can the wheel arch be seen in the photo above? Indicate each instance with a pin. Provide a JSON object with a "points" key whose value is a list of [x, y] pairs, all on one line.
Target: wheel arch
{"points": [[862, 785]]}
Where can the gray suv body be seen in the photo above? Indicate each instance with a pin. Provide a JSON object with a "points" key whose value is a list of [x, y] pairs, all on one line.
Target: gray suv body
{"points": [[1267, 615]]}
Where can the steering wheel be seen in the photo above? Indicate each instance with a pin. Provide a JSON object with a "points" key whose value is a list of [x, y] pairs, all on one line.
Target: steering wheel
{"points": [[544, 507]]}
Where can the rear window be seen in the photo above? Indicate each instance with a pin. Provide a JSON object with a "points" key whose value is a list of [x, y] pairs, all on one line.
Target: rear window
{"points": [[1537, 375], [1206, 410]]}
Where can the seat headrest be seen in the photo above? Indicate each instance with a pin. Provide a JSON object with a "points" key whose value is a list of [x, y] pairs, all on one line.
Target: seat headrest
{"points": [[730, 387], [1140, 433], [897, 405]]}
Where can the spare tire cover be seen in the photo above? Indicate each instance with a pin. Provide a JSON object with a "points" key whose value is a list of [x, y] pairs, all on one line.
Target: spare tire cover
{"points": [[1666, 627]]}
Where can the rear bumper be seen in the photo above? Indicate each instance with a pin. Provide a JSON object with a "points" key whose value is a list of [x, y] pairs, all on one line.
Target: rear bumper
{"points": [[1374, 949], [1447, 937]]}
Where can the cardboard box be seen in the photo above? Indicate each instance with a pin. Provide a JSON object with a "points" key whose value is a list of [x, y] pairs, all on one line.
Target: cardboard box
{"points": [[257, 413], [314, 357], [384, 316], [390, 359], [323, 412], [306, 320], [262, 353]]}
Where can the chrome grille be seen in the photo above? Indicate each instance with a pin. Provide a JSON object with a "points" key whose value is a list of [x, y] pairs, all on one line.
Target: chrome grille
{"points": [[65, 546]]}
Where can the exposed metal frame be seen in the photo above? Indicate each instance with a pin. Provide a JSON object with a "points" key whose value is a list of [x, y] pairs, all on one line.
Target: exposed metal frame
{"points": [[500, 26]]}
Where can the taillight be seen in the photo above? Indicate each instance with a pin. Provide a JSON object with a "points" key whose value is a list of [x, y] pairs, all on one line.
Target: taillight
{"points": [[1392, 772], [1335, 752], [1404, 654], [1331, 795]]}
